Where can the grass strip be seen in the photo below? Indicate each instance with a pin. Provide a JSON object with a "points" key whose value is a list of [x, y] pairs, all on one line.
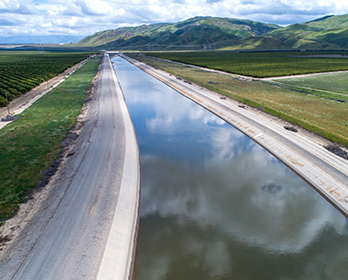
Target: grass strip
{"points": [[30, 144], [334, 82], [278, 114], [281, 115]]}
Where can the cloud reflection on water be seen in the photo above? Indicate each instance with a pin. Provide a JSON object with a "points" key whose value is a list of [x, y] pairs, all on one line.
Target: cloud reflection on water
{"points": [[235, 200], [217, 208]]}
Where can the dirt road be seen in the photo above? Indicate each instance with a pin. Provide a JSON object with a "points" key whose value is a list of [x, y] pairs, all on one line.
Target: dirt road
{"points": [[68, 237]]}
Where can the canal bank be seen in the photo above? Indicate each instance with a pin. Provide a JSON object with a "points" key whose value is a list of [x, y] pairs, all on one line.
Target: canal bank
{"points": [[83, 223], [118, 259], [325, 172]]}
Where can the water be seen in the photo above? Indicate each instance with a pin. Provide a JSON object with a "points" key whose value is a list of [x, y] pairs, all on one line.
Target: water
{"points": [[215, 205]]}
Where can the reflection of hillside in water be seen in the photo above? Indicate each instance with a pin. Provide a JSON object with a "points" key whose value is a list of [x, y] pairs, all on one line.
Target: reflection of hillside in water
{"points": [[214, 204]]}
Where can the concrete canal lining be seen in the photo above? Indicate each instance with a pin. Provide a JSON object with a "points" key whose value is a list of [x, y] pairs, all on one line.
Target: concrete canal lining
{"points": [[324, 171], [117, 262]]}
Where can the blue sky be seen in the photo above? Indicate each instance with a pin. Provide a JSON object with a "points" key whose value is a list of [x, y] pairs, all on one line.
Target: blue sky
{"points": [[85, 17]]}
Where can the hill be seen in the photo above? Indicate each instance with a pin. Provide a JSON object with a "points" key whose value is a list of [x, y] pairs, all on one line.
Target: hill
{"points": [[199, 33], [330, 32], [194, 33]]}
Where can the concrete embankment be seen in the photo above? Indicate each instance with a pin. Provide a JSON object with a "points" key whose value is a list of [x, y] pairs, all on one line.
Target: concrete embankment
{"points": [[324, 171], [119, 254]]}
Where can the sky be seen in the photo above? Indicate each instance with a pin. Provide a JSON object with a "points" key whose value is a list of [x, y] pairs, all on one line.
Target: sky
{"points": [[85, 17]]}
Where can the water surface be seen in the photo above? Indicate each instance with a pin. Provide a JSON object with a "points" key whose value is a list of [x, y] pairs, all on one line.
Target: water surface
{"points": [[215, 205]]}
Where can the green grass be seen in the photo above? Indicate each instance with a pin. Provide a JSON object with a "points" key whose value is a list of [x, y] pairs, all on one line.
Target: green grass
{"points": [[335, 82], [30, 144], [260, 64], [315, 111], [20, 71]]}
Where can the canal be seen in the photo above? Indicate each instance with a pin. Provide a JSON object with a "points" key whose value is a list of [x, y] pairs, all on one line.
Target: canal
{"points": [[215, 205]]}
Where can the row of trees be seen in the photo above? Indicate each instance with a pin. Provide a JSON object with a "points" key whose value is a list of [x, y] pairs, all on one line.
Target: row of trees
{"points": [[21, 71]]}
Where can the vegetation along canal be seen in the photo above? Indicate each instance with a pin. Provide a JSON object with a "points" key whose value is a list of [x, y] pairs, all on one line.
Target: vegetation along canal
{"points": [[215, 205]]}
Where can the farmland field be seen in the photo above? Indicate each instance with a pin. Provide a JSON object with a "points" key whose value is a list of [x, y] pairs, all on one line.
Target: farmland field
{"points": [[317, 111], [335, 82], [31, 143], [20, 71], [261, 64]]}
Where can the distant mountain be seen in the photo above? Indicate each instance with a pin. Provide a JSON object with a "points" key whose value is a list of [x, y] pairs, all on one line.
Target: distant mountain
{"points": [[198, 32], [32, 39], [329, 32]]}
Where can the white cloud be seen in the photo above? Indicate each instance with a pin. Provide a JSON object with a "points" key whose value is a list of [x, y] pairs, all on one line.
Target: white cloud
{"points": [[92, 7], [17, 7], [97, 15]]}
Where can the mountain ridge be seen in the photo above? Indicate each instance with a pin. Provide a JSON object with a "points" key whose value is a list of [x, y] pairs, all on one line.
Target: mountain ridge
{"points": [[328, 32], [191, 32]]}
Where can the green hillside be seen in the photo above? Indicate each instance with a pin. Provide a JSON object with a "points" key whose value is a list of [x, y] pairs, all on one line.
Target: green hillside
{"points": [[330, 32], [193, 33], [212, 33]]}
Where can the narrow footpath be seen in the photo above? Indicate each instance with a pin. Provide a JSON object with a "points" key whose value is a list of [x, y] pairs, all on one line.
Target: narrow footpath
{"points": [[324, 171], [86, 227]]}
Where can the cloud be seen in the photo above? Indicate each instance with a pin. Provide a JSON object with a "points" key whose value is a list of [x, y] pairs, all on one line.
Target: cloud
{"points": [[9, 22], [279, 7], [17, 7], [100, 15], [89, 8]]}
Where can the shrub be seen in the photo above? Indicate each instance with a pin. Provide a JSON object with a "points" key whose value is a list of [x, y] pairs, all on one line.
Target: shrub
{"points": [[14, 92], [10, 96], [3, 102]]}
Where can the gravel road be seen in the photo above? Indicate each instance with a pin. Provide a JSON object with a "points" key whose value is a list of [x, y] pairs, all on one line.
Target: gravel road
{"points": [[67, 236]]}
